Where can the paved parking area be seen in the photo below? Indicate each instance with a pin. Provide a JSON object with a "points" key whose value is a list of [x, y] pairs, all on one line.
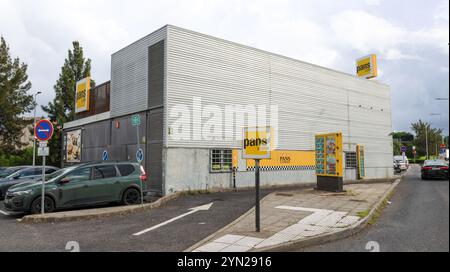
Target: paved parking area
{"points": [[116, 233]]}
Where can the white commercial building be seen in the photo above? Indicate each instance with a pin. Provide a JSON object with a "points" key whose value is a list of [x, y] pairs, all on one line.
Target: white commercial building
{"points": [[192, 90]]}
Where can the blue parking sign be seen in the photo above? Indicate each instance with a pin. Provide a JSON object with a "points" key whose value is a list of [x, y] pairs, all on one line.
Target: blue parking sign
{"points": [[105, 155], [140, 155]]}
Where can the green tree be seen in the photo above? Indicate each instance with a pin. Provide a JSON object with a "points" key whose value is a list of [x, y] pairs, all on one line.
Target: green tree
{"points": [[424, 130], [14, 99], [62, 108], [403, 139]]}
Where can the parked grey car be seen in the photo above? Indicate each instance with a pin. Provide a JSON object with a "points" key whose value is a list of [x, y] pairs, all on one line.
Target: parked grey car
{"points": [[23, 174]]}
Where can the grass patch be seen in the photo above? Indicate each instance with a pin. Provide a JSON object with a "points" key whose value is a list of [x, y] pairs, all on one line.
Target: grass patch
{"points": [[363, 214], [380, 209]]}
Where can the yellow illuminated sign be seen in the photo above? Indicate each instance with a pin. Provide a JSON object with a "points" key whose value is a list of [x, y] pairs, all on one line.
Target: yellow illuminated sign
{"points": [[366, 67], [328, 149], [256, 143], [82, 93]]}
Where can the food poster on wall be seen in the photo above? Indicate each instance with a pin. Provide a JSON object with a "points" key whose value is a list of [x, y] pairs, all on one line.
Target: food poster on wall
{"points": [[73, 147], [331, 159], [328, 148]]}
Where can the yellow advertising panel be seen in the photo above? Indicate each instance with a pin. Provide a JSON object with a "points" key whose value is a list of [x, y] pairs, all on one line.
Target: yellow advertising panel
{"points": [[366, 67], [289, 159], [329, 155], [82, 93], [361, 161], [256, 143]]}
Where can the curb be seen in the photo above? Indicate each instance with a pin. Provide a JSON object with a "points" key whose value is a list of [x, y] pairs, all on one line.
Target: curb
{"points": [[360, 225], [357, 227], [108, 212]]}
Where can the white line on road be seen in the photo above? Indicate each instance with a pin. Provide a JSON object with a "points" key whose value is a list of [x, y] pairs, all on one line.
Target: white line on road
{"points": [[192, 210], [5, 213]]}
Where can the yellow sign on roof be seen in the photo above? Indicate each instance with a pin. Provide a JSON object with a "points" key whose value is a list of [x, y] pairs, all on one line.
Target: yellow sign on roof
{"points": [[366, 67], [83, 88]]}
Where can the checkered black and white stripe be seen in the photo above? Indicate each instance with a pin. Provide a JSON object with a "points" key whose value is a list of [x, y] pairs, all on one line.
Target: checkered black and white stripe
{"points": [[283, 168]]}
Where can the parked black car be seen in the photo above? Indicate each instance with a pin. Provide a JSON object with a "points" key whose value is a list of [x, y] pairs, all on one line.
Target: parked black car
{"points": [[6, 171], [435, 169], [23, 174]]}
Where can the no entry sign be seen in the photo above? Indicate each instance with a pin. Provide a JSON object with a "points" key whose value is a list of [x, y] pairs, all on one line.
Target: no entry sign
{"points": [[43, 130]]}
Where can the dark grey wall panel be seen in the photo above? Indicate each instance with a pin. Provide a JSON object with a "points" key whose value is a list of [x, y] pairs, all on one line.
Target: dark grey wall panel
{"points": [[97, 134], [126, 133], [92, 154], [156, 74], [154, 167], [155, 126], [117, 152]]}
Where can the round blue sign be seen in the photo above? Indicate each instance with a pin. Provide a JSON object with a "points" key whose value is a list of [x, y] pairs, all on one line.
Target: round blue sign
{"points": [[140, 155], [105, 155], [403, 148], [43, 130]]}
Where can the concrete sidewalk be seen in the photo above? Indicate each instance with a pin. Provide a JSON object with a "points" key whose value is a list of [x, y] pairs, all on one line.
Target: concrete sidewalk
{"points": [[290, 217]]}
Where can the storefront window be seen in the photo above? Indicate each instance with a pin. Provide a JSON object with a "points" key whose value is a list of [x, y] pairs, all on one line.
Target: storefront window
{"points": [[221, 160], [350, 160]]}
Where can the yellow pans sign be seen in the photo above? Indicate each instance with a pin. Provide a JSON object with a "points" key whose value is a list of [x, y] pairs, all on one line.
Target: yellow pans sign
{"points": [[82, 93], [366, 67], [256, 143]]}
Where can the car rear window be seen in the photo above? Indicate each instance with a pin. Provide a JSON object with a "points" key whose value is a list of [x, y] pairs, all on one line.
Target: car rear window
{"points": [[125, 169], [104, 171]]}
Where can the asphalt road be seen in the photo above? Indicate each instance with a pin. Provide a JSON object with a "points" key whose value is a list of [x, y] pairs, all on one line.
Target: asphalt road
{"points": [[416, 221], [116, 233]]}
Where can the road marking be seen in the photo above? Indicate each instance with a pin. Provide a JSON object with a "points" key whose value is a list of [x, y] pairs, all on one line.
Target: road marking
{"points": [[192, 210], [5, 213]]}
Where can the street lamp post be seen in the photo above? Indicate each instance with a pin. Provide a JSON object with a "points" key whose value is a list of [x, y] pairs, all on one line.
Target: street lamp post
{"points": [[34, 124]]}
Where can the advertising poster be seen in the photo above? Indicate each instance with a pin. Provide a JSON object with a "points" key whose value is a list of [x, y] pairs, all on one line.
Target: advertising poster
{"points": [[328, 149], [73, 147], [331, 155]]}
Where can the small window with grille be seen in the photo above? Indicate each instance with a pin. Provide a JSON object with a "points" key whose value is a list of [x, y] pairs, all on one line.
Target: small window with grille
{"points": [[351, 160], [221, 160]]}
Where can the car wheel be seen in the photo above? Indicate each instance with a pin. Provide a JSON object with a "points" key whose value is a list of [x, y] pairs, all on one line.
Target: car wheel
{"points": [[49, 205], [131, 197]]}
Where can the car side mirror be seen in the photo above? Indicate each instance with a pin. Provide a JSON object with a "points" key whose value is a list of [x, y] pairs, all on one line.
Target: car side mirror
{"points": [[64, 181], [16, 177]]}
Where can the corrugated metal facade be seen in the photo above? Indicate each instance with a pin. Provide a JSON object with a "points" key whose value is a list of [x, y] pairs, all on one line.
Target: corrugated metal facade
{"points": [[310, 99], [129, 75]]}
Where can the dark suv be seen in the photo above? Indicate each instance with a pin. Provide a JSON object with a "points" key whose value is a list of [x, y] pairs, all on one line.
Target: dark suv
{"points": [[82, 185], [23, 174]]}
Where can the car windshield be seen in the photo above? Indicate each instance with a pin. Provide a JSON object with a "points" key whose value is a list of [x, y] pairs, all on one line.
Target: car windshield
{"points": [[436, 162], [11, 172], [59, 172]]}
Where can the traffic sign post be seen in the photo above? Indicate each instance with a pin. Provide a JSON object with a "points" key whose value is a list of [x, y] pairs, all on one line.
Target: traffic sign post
{"points": [[136, 122], [404, 154], [43, 132], [257, 146], [105, 155]]}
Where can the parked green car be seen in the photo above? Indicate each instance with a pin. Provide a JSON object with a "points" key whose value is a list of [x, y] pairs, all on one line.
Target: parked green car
{"points": [[82, 185]]}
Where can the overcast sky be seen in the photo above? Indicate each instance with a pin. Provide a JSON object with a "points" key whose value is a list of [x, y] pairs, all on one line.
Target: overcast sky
{"points": [[410, 37]]}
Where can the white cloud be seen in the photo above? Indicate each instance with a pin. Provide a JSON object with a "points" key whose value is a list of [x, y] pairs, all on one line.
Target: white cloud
{"points": [[373, 2], [326, 32]]}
